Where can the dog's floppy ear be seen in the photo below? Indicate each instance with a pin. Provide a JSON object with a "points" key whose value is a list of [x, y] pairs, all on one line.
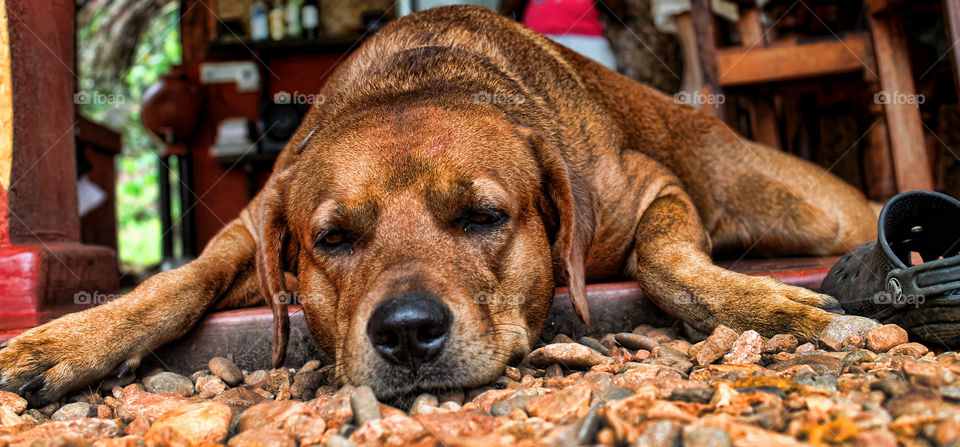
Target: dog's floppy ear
{"points": [[575, 215], [273, 233]]}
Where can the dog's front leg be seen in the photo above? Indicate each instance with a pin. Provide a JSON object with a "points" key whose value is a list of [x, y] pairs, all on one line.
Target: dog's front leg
{"points": [[677, 273], [50, 360]]}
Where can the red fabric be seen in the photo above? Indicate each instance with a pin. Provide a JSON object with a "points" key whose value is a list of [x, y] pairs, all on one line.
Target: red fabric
{"points": [[563, 17]]}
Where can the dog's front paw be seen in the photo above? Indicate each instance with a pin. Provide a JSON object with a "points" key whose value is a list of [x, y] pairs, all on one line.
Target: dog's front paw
{"points": [[44, 363], [844, 326], [810, 298]]}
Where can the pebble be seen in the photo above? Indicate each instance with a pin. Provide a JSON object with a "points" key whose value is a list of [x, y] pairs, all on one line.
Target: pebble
{"points": [[561, 406], [168, 382], [636, 341], [647, 387], [8, 418], [150, 406], [12, 402], [267, 437], [311, 365], [308, 430], [424, 403], [593, 343], [571, 355], [364, 404], [806, 348], [883, 338], [72, 432], [927, 373], [73, 411], [223, 368], [305, 384], [715, 346], [909, 350], [193, 424], [852, 342], [239, 399], [662, 433], [278, 380], [697, 395], [209, 386], [256, 378], [706, 437], [271, 414], [746, 349]]}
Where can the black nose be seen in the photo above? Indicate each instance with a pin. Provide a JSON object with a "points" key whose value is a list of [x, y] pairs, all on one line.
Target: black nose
{"points": [[409, 329]]}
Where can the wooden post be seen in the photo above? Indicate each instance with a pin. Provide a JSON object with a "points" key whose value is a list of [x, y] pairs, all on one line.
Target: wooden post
{"points": [[763, 117], [195, 32], [911, 166], [703, 24], [43, 266], [951, 14]]}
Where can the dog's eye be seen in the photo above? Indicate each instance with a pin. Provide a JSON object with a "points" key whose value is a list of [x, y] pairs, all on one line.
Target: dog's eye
{"points": [[478, 220], [332, 240], [483, 218]]}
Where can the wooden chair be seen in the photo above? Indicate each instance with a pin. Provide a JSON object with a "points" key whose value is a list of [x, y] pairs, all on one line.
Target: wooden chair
{"points": [[897, 153]]}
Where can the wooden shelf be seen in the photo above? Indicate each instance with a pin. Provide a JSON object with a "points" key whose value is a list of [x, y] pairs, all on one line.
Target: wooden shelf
{"points": [[264, 159], [788, 61], [268, 49]]}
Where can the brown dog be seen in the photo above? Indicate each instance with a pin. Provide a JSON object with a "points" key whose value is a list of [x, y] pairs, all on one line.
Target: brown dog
{"points": [[460, 155]]}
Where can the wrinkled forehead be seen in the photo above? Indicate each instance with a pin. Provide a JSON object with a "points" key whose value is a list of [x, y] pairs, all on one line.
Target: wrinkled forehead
{"points": [[436, 154]]}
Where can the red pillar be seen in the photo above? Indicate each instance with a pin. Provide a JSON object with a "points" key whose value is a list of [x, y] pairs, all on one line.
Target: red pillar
{"points": [[42, 263]]}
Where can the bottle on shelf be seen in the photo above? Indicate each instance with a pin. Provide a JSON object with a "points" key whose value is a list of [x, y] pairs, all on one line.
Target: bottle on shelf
{"points": [[259, 24], [277, 26], [294, 29], [310, 19]]}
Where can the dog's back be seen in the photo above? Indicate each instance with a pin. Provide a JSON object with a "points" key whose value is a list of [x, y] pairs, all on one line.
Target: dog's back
{"points": [[596, 116]]}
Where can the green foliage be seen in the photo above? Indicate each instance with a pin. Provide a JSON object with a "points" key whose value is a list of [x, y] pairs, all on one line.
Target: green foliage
{"points": [[137, 189]]}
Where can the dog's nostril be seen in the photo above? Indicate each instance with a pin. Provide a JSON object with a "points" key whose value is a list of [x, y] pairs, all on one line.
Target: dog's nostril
{"points": [[428, 334], [409, 329], [388, 339]]}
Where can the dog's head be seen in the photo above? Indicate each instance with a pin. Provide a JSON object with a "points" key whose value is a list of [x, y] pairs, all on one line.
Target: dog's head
{"points": [[424, 239]]}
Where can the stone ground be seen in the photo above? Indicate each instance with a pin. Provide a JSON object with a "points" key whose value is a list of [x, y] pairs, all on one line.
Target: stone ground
{"points": [[645, 388]]}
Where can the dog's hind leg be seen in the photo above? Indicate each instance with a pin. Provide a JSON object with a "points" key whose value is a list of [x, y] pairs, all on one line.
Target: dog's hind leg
{"points": [[47, 361], [675, 270], [780, 205]]}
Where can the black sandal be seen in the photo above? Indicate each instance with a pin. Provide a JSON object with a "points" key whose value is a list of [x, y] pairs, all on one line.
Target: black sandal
{"points": [[877, 280]]}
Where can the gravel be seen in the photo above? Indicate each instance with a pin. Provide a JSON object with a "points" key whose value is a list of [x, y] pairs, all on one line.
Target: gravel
{"points": [[650, 387]]}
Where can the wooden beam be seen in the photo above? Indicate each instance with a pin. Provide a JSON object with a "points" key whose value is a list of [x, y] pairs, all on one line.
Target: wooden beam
{"points": [[749, 27], [703, 23], [195, 30], [743, 65], [951, 13], [910, 162]]}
